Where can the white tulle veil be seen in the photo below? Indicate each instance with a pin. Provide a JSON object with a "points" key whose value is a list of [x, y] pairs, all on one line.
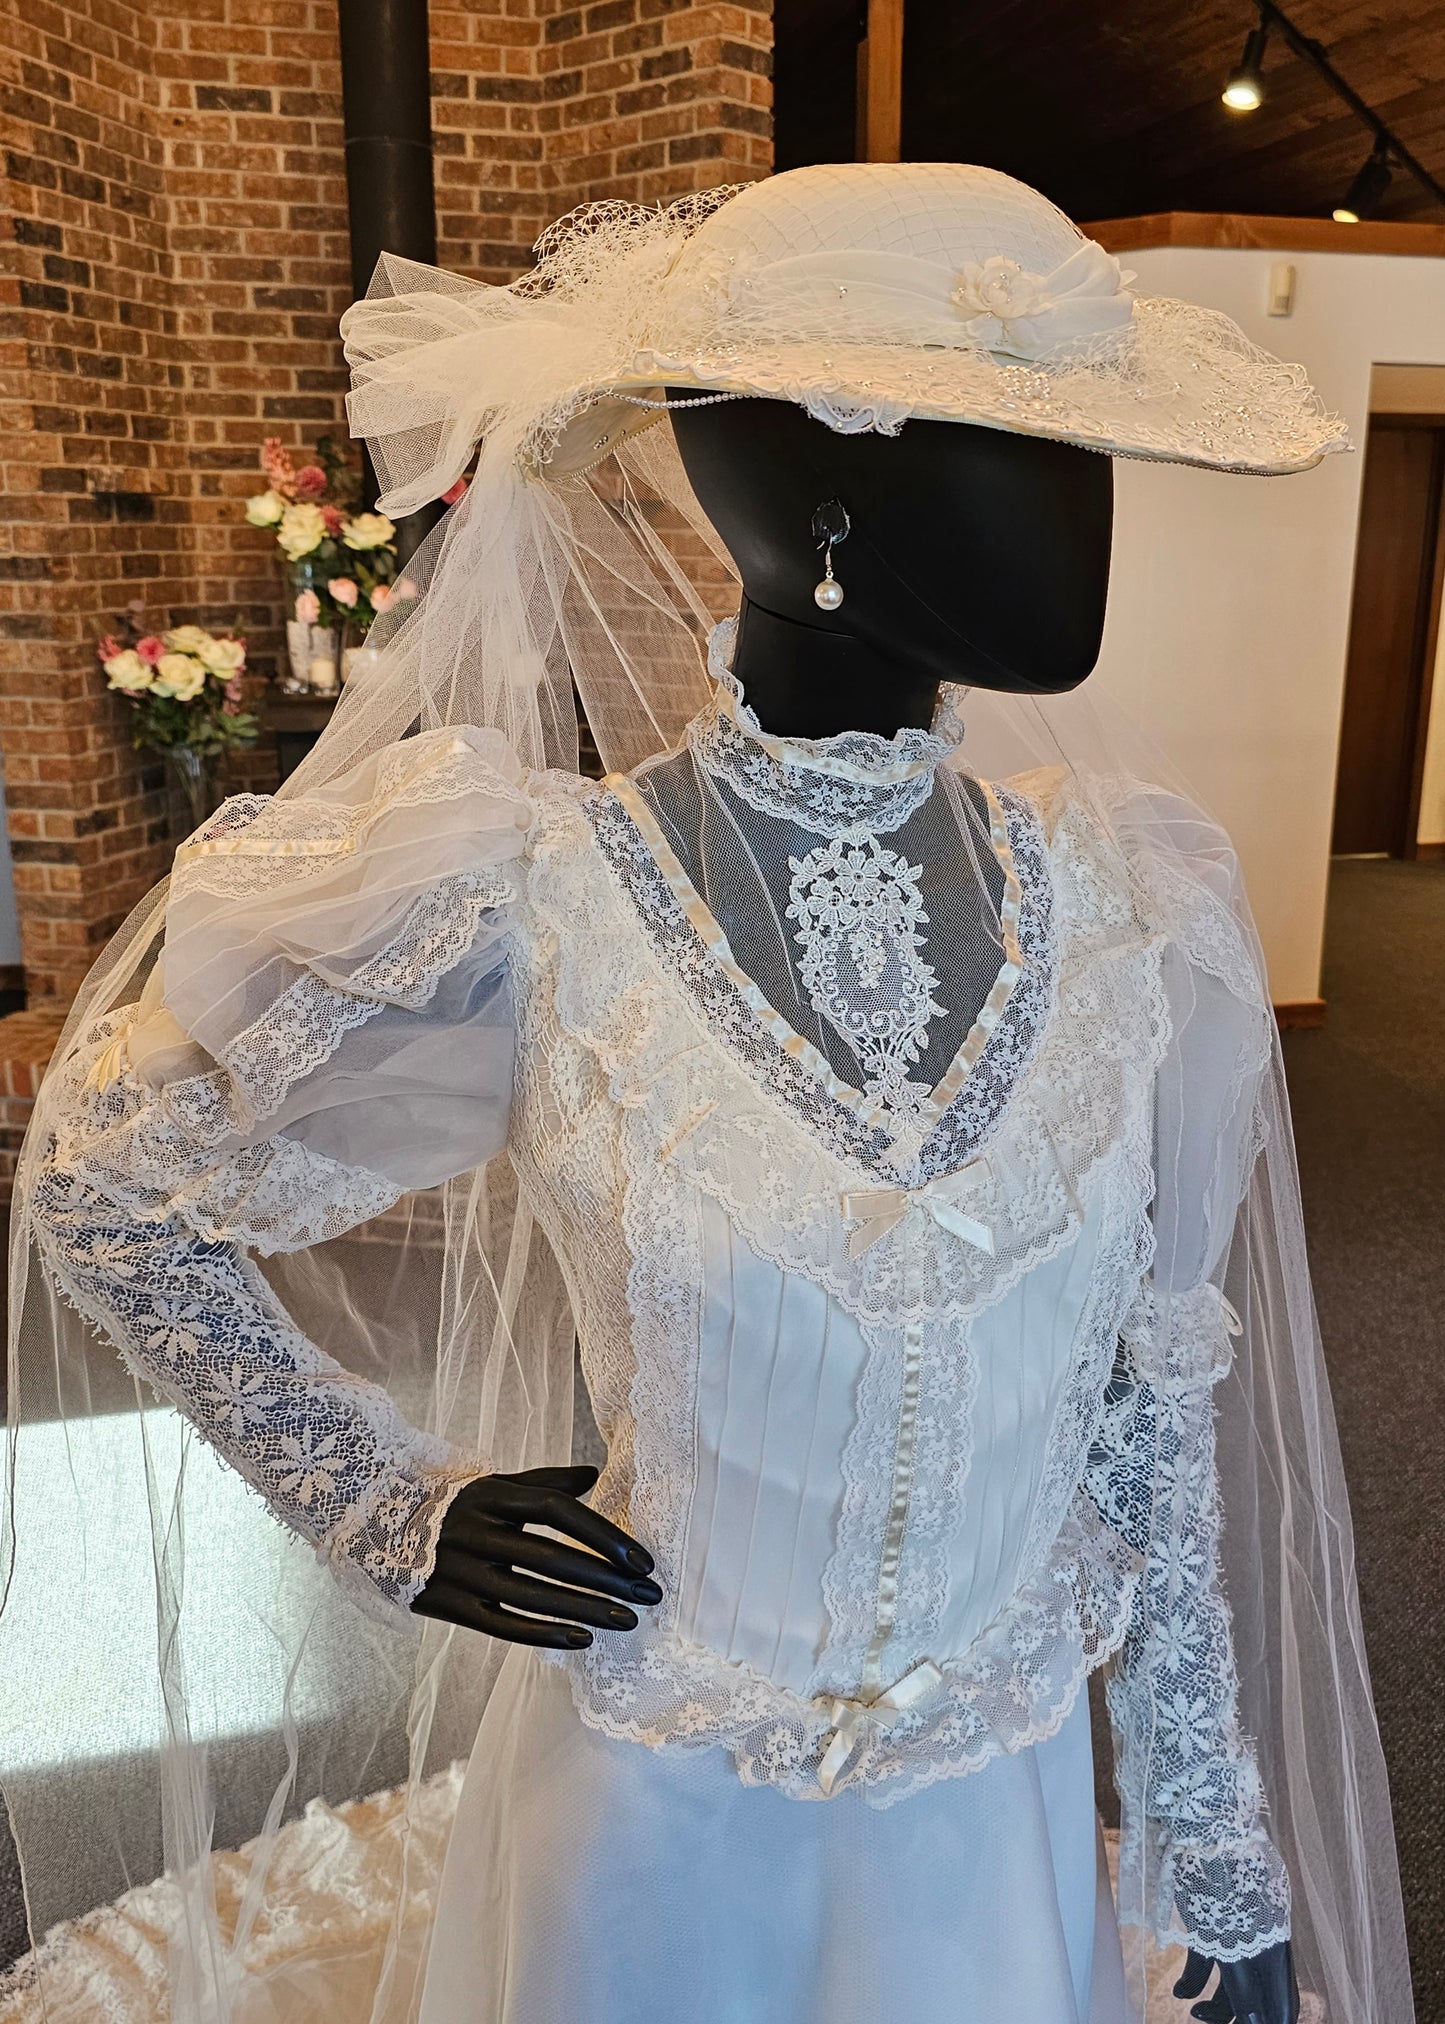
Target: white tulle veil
{"points": [[182, 1677]]}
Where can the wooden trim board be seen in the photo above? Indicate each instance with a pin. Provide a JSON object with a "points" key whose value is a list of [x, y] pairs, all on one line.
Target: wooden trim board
{"points": [[1296, 1014], [1282, 235]]}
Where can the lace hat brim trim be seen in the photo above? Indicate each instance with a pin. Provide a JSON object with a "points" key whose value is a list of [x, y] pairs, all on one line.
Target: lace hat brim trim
{"points": [[1187, 388]]}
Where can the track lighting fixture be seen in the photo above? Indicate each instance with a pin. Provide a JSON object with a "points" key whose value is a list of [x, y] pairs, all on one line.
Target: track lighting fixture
{"points": [[1364, 194], [1244, 91]]}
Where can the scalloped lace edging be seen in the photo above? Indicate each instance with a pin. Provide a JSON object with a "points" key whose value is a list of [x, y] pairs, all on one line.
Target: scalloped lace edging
{"points": [[1013, 1688]]}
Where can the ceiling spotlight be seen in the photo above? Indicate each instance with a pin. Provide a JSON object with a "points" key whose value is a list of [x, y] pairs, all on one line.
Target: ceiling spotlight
{"points": [[1363, 196], [1244, 91]]}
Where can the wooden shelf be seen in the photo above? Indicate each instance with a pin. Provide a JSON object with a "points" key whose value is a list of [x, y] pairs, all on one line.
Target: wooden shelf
{"points": [[280, 712], [1283, 235]]}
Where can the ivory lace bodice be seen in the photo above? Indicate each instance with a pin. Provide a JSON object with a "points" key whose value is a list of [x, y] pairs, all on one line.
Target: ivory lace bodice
{"points": [[905, 1379]]}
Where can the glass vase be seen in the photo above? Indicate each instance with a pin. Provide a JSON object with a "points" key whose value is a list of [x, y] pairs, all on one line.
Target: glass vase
{"points": [[195, 774], [313, 655], [357, 658], [313, 651]]}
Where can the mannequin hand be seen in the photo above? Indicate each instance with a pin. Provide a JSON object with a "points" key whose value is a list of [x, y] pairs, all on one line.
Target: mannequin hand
{"points": [[1258, 1990], [486, 1562]]}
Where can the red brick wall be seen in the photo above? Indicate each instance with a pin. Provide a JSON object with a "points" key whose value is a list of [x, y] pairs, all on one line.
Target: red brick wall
{"points": [[546, 105], [177, 267], [171, 277], [89, 465]]}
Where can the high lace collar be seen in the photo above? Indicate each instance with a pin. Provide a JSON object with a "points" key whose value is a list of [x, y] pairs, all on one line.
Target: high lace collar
{"points": [[854, 780]]}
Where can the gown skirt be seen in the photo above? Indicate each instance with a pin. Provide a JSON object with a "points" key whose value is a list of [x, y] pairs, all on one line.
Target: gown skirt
{"points": [[592, 1881]]}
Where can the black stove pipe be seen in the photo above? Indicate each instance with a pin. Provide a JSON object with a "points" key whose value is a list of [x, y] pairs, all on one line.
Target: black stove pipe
{"points": [[386, 112]]}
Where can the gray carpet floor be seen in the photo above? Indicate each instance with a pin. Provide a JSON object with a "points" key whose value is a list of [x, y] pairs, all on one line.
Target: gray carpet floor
{"points": [[1368, 1092]]}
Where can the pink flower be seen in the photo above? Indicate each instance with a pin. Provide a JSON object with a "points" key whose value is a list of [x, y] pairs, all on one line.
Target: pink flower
{"points": [[230, 708], [150, 649], [310, 482], [234, 692], [280, 471], [344, 590], [454, 492], [382, 597], [108, 648], [334, 518], [308, 607]]}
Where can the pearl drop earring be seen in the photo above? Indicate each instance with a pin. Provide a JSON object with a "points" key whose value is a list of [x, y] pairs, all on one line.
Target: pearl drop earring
{"points": [[830, 526]]}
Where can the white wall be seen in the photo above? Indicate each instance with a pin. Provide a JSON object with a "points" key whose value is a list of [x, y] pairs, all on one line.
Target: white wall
{"points": [[1229, 614]]}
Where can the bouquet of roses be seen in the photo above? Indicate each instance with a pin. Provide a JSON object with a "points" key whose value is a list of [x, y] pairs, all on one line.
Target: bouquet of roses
{"points": [[341, 559], [184, 687]]}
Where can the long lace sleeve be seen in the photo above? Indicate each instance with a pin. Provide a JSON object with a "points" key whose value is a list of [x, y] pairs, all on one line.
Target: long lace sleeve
{"points": [[1195, 1842], [1196, 1859], [326, 1029]]}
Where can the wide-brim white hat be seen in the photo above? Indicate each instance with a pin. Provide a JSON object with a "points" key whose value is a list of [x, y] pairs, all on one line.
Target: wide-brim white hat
{"points": [[867, 293]]}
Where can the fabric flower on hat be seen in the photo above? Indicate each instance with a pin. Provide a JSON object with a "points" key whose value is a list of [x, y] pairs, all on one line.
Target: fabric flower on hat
{"points": [[344, 590], [302, 529], [264, 509], [1022, 315], [126, 671], [178, 675], [368, 530]]}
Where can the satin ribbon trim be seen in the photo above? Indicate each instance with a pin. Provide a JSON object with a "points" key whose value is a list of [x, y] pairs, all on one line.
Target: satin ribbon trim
{"points": [[879, 1210], [710, 934], [243, 845], [853, 1720], [109, 1066]]}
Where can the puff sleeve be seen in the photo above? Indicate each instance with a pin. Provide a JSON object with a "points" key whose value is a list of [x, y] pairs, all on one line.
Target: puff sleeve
{"points": [[328, 1026]]}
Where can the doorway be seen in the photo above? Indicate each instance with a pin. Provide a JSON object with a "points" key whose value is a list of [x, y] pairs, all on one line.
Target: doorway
{"points": [[1394, 631]]}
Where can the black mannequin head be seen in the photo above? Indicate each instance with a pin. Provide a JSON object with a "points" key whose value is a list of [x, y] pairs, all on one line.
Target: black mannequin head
{"points": [[973, 556]]}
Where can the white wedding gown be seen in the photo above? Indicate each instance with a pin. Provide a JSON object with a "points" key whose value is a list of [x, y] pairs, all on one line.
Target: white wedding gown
{"points": [[905, 1382], [588, 1879]]}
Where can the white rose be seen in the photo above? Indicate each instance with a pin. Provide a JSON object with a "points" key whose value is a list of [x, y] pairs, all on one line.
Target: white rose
{"points": [[179, 675], [223, 657], [127, 672], [302, 529], [368, 530], [264, 509], [186, 639]]}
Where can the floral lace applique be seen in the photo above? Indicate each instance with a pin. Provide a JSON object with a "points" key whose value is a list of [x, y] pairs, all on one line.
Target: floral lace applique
{"points": [[1007, 1050], [860, 925]]}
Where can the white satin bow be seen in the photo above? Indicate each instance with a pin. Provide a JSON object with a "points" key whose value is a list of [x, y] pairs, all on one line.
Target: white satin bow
{"points": [[880, 1210], [851, 1720]]}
